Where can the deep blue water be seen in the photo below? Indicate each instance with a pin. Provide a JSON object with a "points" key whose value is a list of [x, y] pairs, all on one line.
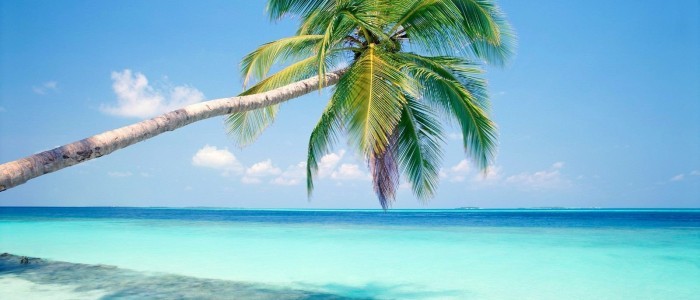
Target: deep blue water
{"points": [[623, 218]]}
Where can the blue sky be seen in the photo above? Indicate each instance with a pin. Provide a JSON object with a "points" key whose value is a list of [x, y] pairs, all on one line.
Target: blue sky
{"points": [[599, 108]]}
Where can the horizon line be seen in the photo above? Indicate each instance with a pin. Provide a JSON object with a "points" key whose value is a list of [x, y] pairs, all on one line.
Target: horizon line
{"points": [[463, 208]]}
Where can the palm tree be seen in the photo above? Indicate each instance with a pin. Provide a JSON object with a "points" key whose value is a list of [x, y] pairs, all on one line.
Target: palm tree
{"points": [[22, 170], [407, 68], [401, 67]]}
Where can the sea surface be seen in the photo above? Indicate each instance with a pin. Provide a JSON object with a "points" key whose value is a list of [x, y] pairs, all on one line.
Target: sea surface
{"points": [[136, 253]]}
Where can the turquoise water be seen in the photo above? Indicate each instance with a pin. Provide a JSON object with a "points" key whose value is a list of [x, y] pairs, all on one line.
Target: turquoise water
{"points": [[413, 254]]}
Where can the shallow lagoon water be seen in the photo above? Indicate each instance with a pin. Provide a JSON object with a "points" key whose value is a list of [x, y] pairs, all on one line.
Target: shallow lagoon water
{"points": [[400, 254]]}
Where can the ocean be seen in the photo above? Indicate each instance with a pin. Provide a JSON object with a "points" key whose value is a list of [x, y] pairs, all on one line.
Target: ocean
{"points": [[168, 253]]}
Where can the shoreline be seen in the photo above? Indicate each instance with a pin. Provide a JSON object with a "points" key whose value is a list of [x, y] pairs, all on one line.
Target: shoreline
{"points": [[23, 277]]}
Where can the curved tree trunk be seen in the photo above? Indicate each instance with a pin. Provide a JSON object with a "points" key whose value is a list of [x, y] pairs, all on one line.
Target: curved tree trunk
{"points": [[20, 171]]}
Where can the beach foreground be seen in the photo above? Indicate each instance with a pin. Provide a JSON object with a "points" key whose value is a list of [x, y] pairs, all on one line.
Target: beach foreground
{"points": [[412, 254], [45, 279]]}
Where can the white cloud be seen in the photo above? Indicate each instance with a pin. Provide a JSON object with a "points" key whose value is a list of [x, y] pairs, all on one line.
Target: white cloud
{"points": [[461, 168], [263, 168], [546, 179], [492, 174], [456, 173], [117, 174], [684, 176], [136, 98], [292, 176], [45, 88], [219, 159], [257, 171], [348, 172], [328, 162], [678, 177], [330, 167]]}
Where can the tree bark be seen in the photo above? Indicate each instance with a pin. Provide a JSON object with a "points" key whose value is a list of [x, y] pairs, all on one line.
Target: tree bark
{"points": [[20, 171]]}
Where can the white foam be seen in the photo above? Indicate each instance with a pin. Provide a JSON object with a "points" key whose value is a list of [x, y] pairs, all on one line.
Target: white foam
{"points": [[14, 288]]}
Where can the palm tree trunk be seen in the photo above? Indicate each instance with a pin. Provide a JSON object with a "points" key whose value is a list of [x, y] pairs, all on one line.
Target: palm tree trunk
{"points": [[20, 171]]}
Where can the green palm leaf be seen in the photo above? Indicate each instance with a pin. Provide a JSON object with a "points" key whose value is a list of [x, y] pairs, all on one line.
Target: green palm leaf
{"points": [[347, 17], [258, 63], [372, 95], [247, 126], [278, 8], [451, 27], [419, 148], [498, 42], [444, 89], [323, 137]]}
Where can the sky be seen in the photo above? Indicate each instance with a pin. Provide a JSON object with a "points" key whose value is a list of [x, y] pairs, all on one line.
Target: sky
{"points": [[600, 107]]}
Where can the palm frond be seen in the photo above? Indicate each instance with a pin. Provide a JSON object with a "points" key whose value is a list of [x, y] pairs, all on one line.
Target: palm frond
{"points": [[257, 64], [459, 27], [420, 138], [411, 8], [316, 21], [278, 8], [385, 172], [245, 127], [367, 18], [323, 137], [356, 12], [476, 19], [444, 89], [299, 70], [497, 53], [348, 17], [373, 92], [433, 27], [329, 37]]}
